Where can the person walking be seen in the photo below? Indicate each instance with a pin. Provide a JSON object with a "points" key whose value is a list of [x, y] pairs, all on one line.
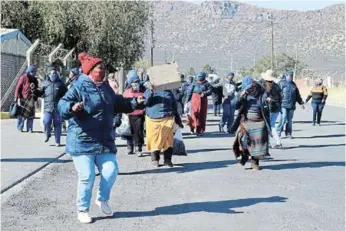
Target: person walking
{"points": [[252, 138], [137, 117], [72, 77], [319, 94], [228, 105], [217, 94], [161, 114], [198, 95], [25, 97], [52, 90], [291, 96], [90, 105], [274, 98]]}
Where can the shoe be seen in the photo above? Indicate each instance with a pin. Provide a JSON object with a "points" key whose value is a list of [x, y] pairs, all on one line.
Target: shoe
{"points": [[277, 146], [319, 124], [267, 155], [192, 131], [57, 145], [313, 124], [155, 164], [84, 217], [129, 149], [243, 160], [290, 137], [168, 163], [255, 165], [139, 151], [104, 206], [47, 139], [221, 129]]}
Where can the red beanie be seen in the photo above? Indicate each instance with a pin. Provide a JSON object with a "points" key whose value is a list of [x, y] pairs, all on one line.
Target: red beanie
{"points": [[88, 62]]}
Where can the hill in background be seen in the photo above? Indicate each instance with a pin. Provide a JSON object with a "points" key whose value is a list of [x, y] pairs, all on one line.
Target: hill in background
{"points": [[196, 34]]}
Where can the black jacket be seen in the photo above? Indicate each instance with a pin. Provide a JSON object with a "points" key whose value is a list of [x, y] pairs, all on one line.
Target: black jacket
{"points": [[291, 94], [242, 107], [217, 92], [178, 95], [52, 92]]}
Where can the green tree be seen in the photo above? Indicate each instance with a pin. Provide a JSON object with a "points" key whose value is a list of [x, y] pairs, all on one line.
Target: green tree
{"points": [[191, 71], [283, 63], [208, 69]]}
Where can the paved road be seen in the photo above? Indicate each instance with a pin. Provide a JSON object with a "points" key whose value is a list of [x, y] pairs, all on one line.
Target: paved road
{"points": [[300, 188]]}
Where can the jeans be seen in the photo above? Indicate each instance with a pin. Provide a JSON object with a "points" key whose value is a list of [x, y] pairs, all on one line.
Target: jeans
{"points": [[273, 118], [217, 108], [286, 117], [85, 165], [29, 124], [57, 122], [317, 109], [228, 114]]}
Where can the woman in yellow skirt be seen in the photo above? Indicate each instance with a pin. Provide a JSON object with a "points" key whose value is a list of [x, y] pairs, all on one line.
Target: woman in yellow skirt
{"points": [[161, 114]]}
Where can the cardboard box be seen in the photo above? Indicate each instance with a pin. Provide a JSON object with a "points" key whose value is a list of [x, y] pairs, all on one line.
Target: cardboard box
{"points": [[165, 77]]}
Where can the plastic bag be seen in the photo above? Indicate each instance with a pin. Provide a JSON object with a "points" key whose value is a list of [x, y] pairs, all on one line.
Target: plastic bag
{"points": [[124, 129], [179, 148], [178, 134], [14, 110]]}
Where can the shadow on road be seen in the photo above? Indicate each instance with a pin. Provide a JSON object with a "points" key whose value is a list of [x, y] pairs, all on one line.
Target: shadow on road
{"points": [[304, 165], [208, 150], [184, 168], [323, 136], [35, 160], [221, 207], [324, 122], [209, 135], [312, 146]]}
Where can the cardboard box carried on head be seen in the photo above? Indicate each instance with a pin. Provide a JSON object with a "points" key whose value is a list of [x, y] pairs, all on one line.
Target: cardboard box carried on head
{"points": [[165, 77]]}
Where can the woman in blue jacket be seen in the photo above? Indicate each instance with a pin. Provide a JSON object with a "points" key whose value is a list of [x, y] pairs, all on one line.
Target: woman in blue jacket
{"points": [[90, 105], [198, 95]]}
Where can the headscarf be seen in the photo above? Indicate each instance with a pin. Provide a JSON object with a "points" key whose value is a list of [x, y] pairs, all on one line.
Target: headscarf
{"points": [[319, 82], [201, 76], [31, 70]]}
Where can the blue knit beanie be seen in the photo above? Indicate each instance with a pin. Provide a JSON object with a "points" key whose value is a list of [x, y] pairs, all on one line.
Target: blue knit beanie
{"points": [[201, 76], [75, 71], [31, 68], [132, 77], [229, 74], [247, 82]]}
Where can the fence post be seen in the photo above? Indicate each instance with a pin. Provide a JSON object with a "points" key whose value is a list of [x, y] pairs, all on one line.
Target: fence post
{"points": [[53, 52], [30, 51]]}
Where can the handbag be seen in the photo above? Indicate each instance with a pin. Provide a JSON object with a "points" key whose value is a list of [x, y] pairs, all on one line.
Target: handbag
{"points": [[124, 128], [14, 110]]}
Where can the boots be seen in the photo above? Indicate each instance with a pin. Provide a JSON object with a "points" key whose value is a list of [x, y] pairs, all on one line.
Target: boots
{"points": [[139, 151], [255, 164], [155, 158], [129, 149], [168, 157]]}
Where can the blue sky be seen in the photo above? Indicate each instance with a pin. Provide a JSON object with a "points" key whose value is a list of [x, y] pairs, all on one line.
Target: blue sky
{"points": [[290, 5]]}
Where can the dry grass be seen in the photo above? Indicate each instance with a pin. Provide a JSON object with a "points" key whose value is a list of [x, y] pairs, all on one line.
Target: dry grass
{"points": [[5, 115], [336, 95]]}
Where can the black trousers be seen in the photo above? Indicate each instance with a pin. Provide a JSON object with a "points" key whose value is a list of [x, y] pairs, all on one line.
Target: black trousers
{"points": [[155, 156], [137, 129]]}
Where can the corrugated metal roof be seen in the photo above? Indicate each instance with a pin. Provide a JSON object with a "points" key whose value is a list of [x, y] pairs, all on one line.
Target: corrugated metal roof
{"points": [[4, 31], [7, 34]]}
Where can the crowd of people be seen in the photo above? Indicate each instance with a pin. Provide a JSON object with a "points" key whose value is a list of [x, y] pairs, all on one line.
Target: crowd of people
{"points": [[90, 105]]}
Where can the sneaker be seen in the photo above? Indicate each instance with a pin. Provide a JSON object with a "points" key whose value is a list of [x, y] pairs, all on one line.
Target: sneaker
{"points": [[168, 163], [221, 129], [84, 217], [104, 206], [57, 145], [277, 146], [290, 137], [139, 152], [129, 149], [155, 164]]}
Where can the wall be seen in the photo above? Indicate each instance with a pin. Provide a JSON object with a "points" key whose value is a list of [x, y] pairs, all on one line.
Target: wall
{"points": [[10, 65]]}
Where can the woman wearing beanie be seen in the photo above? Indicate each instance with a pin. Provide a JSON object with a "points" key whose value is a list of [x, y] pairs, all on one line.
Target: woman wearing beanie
{"points": [[161, 114], [319, 94], [252, 139], [136, 117], [198, 95], [90, 105]]}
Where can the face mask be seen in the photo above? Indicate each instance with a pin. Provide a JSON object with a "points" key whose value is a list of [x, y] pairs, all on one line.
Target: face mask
{"points": [[136, 87], [97, 75], [53, 77]]}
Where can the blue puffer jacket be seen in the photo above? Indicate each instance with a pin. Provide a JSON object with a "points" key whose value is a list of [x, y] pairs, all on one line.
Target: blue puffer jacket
{"points": [[52, 92], [291, 95], [161, 104], [91, 130], [199, 88]]}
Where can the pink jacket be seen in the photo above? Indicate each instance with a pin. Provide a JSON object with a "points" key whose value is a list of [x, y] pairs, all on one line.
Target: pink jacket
{"points": [[129, 93]]}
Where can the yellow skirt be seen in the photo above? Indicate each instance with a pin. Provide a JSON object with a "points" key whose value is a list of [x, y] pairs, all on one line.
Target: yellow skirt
{"points": [[159, 133]]}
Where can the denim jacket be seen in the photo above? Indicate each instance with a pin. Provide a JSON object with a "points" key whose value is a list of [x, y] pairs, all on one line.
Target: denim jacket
{"points": [[161, 104], [91, 130], [199, 88]]}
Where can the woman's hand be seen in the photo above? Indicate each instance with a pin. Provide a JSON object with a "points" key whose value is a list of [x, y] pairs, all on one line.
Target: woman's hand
{"points": [[140, 99], [78, 107]]}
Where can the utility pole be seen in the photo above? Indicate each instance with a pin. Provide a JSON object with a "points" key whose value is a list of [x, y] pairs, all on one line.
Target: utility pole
{"points": [[272, 45], [152, 41], [295, 65]]}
